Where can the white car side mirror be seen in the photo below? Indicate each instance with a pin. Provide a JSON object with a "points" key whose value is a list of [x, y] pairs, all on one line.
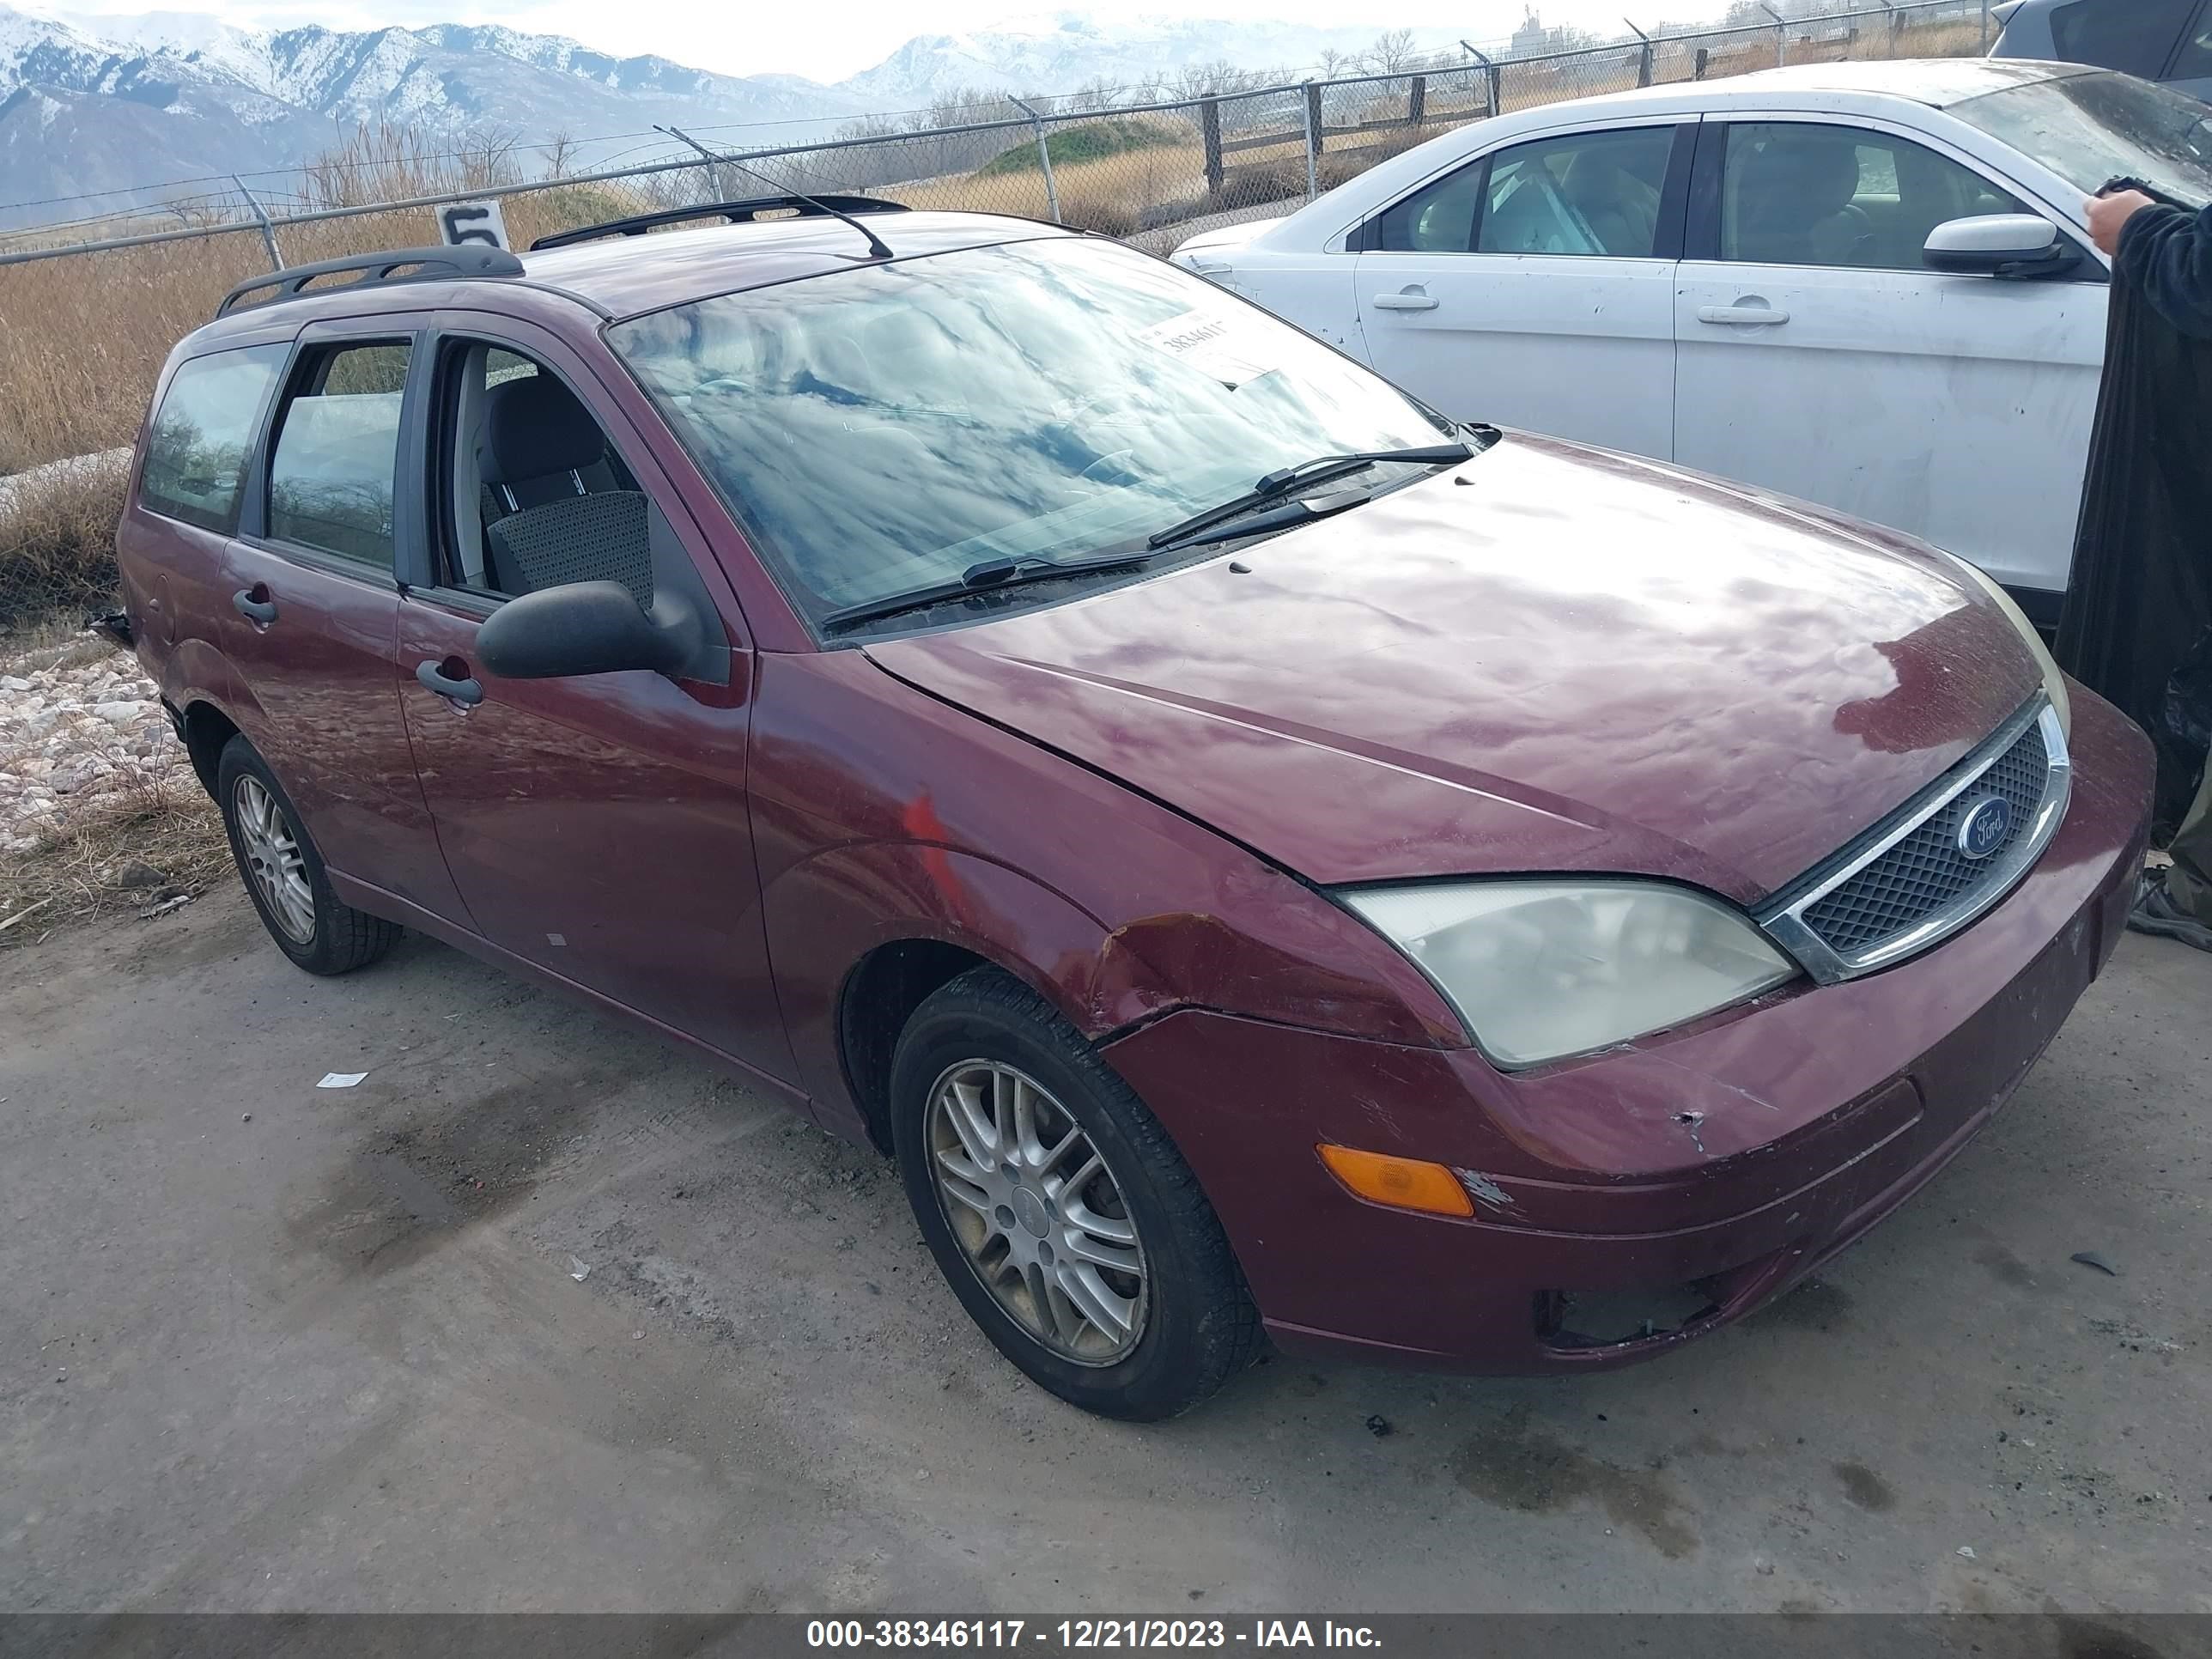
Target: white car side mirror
{"points": [[2011, 244]]}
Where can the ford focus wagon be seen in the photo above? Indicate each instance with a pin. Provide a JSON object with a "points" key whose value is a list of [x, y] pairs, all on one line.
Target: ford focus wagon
{"points": [[1270, 863]]}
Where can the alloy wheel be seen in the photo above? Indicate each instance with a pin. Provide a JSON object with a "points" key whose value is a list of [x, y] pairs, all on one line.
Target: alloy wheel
{"points": [[274, 860], [1037, 1212]]}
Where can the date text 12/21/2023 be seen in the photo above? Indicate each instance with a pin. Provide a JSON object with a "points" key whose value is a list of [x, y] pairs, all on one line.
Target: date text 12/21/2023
{"points": [[1083, 1634]]}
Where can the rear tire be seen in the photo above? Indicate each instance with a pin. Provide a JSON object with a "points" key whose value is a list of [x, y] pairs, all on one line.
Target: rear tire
{"points": [[1058, 1210], [283, 874]]}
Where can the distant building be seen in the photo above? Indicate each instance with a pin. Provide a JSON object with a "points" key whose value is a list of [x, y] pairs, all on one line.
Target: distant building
{"points": [[1532, 37]]}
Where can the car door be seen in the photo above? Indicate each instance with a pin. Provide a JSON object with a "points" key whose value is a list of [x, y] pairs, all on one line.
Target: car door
{"points": [[1533, 285], [596, 826], [313, 604], [1816, 355]]}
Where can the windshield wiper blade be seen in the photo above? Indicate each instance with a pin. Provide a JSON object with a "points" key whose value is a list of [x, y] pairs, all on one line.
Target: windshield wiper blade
{"points": [[986, 577], [1318, 471], [1283, 515]]}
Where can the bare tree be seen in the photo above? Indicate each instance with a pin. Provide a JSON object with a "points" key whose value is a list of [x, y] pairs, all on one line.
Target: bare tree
{"points": [[559, 151], [1393, 53]]}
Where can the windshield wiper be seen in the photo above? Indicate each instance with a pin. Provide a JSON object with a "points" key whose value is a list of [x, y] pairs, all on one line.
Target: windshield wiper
{"points": [[1318, 471], [985, 578]]}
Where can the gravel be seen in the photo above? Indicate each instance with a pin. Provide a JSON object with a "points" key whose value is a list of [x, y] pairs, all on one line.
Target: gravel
{"points": [[78, 722]]}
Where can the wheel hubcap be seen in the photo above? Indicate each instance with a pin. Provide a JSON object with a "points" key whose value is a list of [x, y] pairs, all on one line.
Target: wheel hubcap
{"points": [[1038, 1214], [273, 859]]}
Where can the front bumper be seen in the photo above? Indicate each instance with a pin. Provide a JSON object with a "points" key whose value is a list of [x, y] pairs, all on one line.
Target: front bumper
{"points": [[1723, 1162]]}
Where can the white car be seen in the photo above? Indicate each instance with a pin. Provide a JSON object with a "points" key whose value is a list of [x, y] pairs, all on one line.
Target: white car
{"points": [[1867, 285]]}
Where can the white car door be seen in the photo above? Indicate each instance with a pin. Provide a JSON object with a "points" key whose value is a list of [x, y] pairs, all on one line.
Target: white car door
{"points": [[1816, 355], [1532, 286]]}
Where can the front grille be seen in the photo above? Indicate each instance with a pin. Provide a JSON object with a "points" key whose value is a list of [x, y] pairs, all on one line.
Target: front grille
{"points": [[1926, 871], [1906, 884]]}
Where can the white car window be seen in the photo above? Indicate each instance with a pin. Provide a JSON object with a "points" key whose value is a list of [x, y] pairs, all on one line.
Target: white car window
{"points": [[1805, 193], [1589, 193]]}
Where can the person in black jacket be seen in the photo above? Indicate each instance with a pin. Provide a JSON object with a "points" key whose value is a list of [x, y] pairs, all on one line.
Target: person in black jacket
{"points": [[2165, 254]]}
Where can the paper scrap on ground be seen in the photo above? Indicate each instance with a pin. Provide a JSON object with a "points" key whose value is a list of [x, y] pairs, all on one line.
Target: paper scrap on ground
{"points": [[340, 1080]]}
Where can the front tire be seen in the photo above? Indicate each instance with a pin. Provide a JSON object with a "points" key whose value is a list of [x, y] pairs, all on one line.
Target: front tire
{"points": [[283, 874], [1058, 1209]]}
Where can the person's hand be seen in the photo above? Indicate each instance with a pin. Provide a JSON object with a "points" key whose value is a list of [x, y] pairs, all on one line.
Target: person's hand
{"points": [[2109, 214]]}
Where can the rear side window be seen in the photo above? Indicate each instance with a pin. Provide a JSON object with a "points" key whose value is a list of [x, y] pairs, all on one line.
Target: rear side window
{"points": [[337, 452], [2133, 36], [204, 430]]}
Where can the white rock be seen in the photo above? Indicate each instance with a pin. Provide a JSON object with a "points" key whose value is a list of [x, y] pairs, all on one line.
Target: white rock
{"points": [[13, 683]]}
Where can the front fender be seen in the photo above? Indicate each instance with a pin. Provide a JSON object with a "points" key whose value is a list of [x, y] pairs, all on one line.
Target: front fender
{"points": [[826, 913]]}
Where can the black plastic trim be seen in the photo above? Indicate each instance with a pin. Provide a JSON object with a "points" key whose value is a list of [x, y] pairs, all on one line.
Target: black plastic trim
{"points": [[429, 264], [803, 207]]}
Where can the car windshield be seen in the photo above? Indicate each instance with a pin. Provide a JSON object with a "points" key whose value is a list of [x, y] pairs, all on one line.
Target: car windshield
{"points": [[886, 429], [2092, 129]]}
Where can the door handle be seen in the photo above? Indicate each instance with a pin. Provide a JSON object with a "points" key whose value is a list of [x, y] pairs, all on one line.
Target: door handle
{"points": [[1742, 315], [453, 688], [1409, 301], [254, 604]]}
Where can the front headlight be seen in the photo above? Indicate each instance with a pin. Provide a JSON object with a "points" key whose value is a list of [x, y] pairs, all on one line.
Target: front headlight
{"points": [[2054, 683], [1541, 969]]}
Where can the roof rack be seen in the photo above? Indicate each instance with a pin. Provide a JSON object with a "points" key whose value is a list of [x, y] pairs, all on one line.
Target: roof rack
{"points": [[805, 207], [406, 264]]}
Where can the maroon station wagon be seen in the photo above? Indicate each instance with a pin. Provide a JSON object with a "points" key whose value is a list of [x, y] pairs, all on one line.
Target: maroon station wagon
{"points": [[1269, 863]]}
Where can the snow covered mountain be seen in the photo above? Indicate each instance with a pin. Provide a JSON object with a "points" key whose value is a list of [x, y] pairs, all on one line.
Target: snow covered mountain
{"points": [[1059, 51], [110, 104], [173, 95]]}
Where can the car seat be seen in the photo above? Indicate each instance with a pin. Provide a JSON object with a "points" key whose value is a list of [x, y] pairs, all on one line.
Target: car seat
{"points": [[539, 443], [1793, 203], [1621, 209]]}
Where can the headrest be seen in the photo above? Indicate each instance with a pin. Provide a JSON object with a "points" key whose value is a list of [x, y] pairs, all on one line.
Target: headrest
{"points": [[534, 427], [1799, 179]]}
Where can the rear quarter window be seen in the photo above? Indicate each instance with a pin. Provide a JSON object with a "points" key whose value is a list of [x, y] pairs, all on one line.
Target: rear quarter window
{"points": [[204, 432]]}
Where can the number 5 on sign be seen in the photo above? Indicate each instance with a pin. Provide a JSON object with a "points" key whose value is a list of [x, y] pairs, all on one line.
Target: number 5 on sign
{"points": [[460, 224]]}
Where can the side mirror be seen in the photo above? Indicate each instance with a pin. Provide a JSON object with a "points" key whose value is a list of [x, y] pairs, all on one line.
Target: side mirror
{"points": [[2015, 245], [583, 628]]}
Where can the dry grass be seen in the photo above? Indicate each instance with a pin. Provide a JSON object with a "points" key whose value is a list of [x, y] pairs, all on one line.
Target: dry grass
{"points": [[57, 541], [165, 824], [81, 339]]}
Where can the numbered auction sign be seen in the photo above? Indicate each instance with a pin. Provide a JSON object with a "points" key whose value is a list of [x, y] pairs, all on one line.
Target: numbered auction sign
{"points": [[460, 224]]}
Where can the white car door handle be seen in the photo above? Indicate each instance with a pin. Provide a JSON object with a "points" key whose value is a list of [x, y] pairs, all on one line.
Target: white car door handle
{"points": [[1407, 302], [1741, 316]]}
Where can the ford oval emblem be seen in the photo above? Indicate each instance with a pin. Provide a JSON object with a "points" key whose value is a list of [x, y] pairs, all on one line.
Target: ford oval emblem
{"points": [[1984, 826]]}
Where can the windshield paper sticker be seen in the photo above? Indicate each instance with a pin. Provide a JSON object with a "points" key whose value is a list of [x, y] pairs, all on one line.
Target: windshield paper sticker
{"points": [[1228, 348]]}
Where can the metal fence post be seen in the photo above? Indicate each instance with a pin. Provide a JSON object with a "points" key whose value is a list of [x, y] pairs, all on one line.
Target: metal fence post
{"points": [[1209, 132], [1781, 34], [268, 230], [1986, 27], [1490, 73], [1643, 55], [1313, 140], [1417, 101], [1697, 71], [715, 186], [1044, 155]]}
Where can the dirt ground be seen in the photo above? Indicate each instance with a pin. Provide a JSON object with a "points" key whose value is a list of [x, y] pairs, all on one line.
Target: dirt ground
{"points": [[264, 1345]]}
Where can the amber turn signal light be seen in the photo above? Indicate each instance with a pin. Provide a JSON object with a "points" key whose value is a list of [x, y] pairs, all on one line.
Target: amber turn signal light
{"points": [[1403, 1183]]}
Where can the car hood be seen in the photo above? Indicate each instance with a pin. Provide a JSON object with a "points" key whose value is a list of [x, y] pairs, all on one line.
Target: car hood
{"points": [[1548, 658]]}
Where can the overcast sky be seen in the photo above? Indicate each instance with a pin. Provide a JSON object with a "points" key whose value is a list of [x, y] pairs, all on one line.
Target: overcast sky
{"points": [[751, 38]]}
